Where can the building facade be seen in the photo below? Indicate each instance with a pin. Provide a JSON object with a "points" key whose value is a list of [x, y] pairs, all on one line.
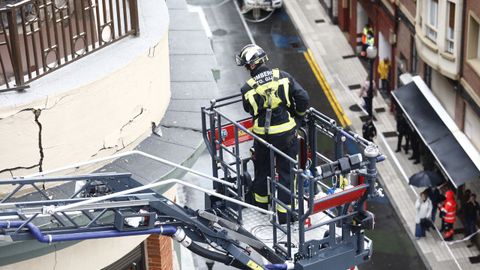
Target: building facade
{"points": [[79, 81], [437, 39], [354, 15]]}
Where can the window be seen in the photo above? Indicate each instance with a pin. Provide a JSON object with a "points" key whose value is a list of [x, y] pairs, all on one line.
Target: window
{"points": [[450, 26], [473, 41], [432, 22]]}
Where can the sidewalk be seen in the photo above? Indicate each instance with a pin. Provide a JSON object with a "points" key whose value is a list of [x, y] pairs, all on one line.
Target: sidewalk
{"points": [[329, 46], [178, 136]]}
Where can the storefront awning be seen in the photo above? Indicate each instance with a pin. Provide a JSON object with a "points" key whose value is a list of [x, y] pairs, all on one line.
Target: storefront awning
{"points": [[455, 154]]}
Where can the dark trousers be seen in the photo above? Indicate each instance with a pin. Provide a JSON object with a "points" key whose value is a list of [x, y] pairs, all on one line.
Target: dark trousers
{"points": [[286, 143], [401, 135], [470, 226], [434, 212], [419, 230], [385, 84], [415, 147], [368, 105]]}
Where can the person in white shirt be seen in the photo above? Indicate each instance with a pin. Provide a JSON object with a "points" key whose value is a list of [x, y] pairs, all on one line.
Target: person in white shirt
{"points": [[423, 215]]}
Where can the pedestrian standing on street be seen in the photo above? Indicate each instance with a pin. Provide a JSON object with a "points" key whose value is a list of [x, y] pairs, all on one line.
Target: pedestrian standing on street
{"points": [[276, 102], [415, 144], [369, 131], [366, 29], [448, 212], [384, 71], [364, 93], [402, 127], [436, 197], [423, 214], [472, 211], [464, 198]]}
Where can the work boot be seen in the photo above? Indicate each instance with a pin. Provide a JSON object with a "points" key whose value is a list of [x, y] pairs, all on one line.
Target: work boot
{"points": [[261, 205], [282, 218]]}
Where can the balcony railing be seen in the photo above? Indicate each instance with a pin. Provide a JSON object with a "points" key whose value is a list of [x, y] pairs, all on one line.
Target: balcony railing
{"points": [[39, 36]]}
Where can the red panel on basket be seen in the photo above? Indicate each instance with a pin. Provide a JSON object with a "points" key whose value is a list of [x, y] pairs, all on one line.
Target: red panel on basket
{"points": [[340, 198], [228, 133]]}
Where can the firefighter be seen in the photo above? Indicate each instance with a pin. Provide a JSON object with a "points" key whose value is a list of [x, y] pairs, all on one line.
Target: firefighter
{"points": [[365, 36], [277, 103], [448, 214]]}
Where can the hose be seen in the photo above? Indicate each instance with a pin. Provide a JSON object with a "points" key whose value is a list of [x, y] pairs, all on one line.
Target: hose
{"points": [[49, 238], [176, 233], [215, 256]]}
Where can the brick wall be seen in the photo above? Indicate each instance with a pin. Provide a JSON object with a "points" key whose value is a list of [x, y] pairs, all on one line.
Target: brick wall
{"points": [[159, 252], [352, 27], [404, 41], [410, 5], [343, 14]]}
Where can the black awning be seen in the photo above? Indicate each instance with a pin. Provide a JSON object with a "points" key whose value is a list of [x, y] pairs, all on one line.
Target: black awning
{"points": [[436, 135]]}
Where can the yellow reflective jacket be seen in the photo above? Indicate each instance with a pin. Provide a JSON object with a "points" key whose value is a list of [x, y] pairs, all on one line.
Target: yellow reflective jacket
{"points": [[278, 91]]}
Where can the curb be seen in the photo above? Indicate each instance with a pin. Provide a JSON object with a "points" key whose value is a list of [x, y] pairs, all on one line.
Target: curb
{"points": [[332, 99]]}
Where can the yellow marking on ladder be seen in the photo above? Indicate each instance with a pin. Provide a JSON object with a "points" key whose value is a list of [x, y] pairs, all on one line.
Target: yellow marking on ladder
{"points": [[253, 265], [342, 117]]}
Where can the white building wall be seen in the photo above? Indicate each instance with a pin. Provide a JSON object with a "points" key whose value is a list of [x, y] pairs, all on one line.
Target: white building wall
{"points": [[90, 254], [444, 91], [434, 53], [472, 126], [96, 106]]}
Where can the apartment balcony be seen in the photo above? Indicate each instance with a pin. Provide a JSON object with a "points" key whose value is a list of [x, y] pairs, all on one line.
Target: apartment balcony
{"points": [[79, 79]]}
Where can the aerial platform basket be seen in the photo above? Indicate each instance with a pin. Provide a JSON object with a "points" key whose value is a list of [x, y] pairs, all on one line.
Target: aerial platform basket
{"points": [[336, 240], [330, 218]]}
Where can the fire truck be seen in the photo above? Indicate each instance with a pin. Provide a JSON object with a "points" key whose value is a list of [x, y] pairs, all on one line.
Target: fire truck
{"points": [[258, 10], [328, 200]]}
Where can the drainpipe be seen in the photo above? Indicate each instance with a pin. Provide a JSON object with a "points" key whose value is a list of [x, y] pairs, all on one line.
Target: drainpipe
{"points": [[459, 88], [462, 41]]}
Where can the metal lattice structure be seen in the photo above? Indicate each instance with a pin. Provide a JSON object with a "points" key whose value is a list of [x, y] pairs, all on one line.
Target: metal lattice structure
{"points": [[114, 204]]}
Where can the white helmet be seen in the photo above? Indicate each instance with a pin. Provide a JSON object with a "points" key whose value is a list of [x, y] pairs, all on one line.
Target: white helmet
{"points": [[251, 54]]}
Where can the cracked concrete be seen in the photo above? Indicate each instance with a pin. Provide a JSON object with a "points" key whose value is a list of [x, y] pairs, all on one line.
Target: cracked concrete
{"points": [[95, 119], [22, 133]]}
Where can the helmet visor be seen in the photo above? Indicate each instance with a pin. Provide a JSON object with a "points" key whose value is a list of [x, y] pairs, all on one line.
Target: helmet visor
{"points": [[239, 60]]}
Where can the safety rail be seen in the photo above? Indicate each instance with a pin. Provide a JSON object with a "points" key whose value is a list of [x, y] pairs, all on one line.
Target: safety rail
{"points": [[90, 206], [123, 207], [40, 36], [221, 132]]}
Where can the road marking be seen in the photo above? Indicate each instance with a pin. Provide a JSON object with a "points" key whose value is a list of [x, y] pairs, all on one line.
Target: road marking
{"points": [[396, 161], [249, 33], [203, 20], [342, 117]]}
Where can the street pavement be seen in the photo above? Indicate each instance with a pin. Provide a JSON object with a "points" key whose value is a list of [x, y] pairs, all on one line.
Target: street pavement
{"points": [[203, 42], [329, 46], [279, 37]]}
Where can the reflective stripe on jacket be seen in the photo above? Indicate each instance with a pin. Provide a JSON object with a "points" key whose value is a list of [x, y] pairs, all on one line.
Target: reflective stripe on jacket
{"points": [[277, 91], [449, 208]]}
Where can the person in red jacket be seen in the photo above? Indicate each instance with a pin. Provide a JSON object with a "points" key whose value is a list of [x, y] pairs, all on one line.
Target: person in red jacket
{"points": [[448, 214]]}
